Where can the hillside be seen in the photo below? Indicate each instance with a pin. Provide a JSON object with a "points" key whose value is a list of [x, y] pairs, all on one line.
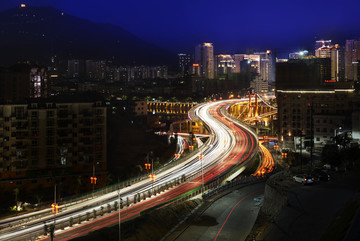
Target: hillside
{"points": [[39, 33]]}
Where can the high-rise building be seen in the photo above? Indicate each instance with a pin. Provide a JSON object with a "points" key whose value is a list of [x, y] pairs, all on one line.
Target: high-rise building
{"points": [[322, 43], [23, 81], [316, 114], [237, 59], [307, 73], [253, 60], [299, 55], [204, 56], [267, 66], [259, 85], [352, 57], [44, 140], [184, 61], [76, 68], [333, 53], [195, 70], [224, 64]]}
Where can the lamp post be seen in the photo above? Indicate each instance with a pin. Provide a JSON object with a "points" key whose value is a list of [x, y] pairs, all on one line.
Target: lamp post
{"points": [[152, 175], [93, 179], [276, 148], [119, 214], [201, 156]]}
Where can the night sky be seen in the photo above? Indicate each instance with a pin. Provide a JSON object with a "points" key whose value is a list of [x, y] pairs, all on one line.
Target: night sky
{"points": [[232, 25]]}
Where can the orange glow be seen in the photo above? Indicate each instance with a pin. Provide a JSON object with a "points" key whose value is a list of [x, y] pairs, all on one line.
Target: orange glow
{"points": [[267, 162], [93, 180], [147, 166], [152, 177], [55, 208], [195, 65], [23, 5]]}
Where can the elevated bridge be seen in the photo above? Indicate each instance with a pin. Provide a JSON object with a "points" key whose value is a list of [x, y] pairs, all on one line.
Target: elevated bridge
{"points": [[163, 107]]}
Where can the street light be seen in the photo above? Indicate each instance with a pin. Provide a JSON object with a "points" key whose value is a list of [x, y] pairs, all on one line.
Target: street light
{"points": [[276, 148], [147, 166], [152, 177], [55, 208], [93, 180], [119, 214], [201, 156]]}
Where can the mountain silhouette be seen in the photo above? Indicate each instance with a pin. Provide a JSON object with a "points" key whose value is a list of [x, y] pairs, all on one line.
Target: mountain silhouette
{"points": [[39, 33]]}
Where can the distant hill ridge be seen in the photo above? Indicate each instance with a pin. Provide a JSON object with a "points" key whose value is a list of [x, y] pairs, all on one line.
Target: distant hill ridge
{"points": [[38, 33]]}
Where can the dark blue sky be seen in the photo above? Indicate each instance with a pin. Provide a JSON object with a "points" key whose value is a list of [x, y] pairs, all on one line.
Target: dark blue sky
{"points": [[232, 25]]}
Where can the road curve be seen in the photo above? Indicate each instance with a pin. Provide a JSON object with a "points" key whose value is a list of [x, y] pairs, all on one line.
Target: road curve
{"points": [[230, 144]]}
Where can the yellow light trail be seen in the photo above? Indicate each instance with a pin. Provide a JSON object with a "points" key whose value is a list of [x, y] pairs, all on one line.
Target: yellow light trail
{"points": [[267, 161]]}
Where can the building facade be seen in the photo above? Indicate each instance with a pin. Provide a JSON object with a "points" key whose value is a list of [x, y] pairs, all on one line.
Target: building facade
{"points": [[204, 56], [259, 85], [23, 81], [224, 64], [315, 114], [42, 140], [184, 64], [333, 53], [352, 57]]}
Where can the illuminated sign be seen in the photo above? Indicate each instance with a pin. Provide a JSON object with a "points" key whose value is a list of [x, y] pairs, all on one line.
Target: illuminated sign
{"points": [[195, 65], [330, 81], [23, 5]]}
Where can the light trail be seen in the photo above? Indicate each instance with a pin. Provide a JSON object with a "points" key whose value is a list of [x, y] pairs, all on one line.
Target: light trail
{"points": [[230, 144], [267, 164]]}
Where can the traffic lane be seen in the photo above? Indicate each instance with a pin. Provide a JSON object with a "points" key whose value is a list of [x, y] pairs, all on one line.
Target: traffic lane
{"points": [[229, 218], [311, 209]]}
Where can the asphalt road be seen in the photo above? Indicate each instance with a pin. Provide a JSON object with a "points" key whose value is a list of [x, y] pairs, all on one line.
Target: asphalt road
{"points": [[311, 209], [229, 218]]}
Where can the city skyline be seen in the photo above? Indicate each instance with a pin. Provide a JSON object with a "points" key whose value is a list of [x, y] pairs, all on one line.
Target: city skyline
{"points": [[233, 28]]}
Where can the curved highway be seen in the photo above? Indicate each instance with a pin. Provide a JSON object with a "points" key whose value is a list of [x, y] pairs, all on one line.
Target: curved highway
{"points": [[230, 144]]}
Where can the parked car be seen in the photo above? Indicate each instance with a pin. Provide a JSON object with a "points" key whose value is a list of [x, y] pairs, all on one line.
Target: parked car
{"points": [[321, 175], [303, 179]]}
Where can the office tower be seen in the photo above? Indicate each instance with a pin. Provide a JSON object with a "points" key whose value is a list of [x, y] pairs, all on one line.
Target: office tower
{"points": [[333, 53], [267, 66], [352, 57], [224, 64], [184, 63], [204, 56]]}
